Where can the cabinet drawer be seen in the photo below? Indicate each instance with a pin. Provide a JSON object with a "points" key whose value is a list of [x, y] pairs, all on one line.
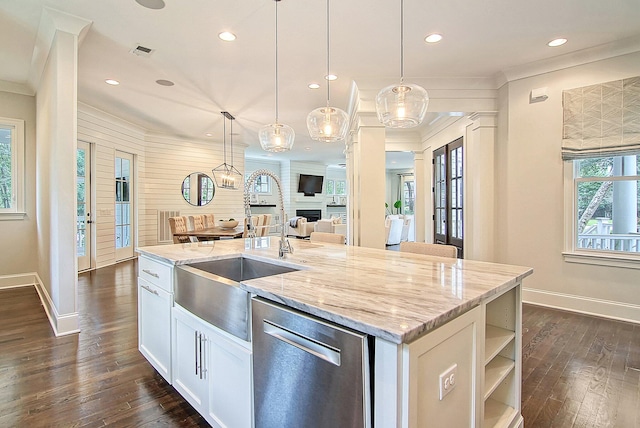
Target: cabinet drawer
{"points": [[156, 273]]}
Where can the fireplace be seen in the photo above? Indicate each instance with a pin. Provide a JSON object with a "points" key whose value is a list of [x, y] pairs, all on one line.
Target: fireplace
{"points": [[310, 215]]}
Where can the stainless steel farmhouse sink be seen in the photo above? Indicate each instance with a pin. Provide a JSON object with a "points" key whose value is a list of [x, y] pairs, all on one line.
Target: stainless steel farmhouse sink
{"points": [[210, 290]]}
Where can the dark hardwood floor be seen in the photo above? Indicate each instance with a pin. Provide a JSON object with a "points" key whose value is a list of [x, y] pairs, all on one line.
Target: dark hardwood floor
{"points": [[95, 378], [578, 371]]}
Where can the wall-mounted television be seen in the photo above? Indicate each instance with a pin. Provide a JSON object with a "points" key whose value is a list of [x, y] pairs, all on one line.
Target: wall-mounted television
{"points": [[310, 184]]}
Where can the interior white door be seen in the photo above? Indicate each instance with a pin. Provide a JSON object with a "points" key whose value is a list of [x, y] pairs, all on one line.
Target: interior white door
{"points": [[124, 205], [84, 217]]}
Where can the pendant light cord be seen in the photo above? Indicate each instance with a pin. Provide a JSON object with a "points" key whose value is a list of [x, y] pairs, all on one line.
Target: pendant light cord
{"points": [[224, 138], [401, 41], [328, 68], [276, 60], [231, 139]]}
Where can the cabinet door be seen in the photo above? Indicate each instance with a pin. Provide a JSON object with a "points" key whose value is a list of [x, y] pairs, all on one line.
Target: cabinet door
{"points": [[190, 353], [154, 326], [230, 385]]}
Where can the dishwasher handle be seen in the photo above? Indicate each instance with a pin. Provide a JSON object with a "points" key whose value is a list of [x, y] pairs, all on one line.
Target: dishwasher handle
{"points": [[313, 347]]}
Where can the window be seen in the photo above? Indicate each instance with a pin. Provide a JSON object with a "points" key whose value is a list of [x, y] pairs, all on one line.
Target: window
{"points": [[336, 187], [261, 185], [605, 214], [11, 168], [408, 195]]}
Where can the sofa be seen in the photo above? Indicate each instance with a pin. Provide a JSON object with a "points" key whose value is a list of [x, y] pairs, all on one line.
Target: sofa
{"points": [[332, 225], [302, 229]]}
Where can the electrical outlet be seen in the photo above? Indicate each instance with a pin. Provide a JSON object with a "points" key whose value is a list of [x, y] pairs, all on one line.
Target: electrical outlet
{"points": [[448, 380]]}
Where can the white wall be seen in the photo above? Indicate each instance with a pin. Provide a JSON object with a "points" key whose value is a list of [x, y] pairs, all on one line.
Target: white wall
{"points": [[530, 199], [19, 236]]}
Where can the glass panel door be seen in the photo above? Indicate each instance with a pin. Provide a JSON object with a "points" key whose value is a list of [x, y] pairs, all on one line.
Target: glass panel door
{"points": [[124, 206], [448, 195], [83, 216]]}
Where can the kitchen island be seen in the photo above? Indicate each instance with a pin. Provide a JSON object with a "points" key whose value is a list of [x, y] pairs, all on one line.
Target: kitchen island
{"points": [[447, 332]]}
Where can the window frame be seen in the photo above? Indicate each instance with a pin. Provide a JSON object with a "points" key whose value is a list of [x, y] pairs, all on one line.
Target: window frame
{"points": [[573, 254], [335, 182], [17, 209], [255, 183]]}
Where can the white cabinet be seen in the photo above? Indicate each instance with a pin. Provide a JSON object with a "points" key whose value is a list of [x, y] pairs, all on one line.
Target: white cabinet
{"points": [[212, 371], [502, 360], [190, 351], [443, 374], [155, 299]]}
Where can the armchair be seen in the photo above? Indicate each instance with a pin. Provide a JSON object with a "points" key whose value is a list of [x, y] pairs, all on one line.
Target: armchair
{"points": [[302, 229], [393, 228]]}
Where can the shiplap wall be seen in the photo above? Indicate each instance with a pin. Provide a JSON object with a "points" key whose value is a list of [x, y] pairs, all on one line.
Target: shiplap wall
{"points": [[160, 165], [169, 160], [298, 200], [107, 134]]}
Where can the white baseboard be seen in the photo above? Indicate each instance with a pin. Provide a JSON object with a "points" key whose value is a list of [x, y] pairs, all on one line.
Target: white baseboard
{"points": [[584, 305], [20, 280], [62, 325]]}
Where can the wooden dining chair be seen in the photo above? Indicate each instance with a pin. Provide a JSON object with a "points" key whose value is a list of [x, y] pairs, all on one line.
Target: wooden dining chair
{"points": [[440, 250], [197, 222], [179, 225], [331, 238], [266, 225], [209, 221]]}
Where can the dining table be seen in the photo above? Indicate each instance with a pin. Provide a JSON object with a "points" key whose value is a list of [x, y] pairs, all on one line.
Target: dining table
{"points": [[212, 233]]}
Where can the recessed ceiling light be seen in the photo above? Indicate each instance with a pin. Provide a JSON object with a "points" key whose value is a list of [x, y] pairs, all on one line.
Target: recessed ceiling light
{"points": [[163, 82], [433, 38], [313, 86], [331, 77], [112, 82], [557, 42], [209, 134], [227, 36], [307, 148], [151, 4]]}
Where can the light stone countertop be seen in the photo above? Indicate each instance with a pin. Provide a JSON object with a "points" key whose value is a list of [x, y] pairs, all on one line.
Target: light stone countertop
{"points": [[395, 296]]}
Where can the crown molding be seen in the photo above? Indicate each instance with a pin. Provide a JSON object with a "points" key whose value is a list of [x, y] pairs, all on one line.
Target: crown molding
{"points": [[572, 59]]}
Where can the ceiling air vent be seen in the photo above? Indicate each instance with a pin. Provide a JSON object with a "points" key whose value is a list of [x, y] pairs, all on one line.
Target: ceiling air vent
{"points": [[141, 50]]}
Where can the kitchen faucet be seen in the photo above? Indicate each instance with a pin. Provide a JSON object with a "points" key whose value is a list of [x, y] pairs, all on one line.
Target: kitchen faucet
{"points": [[285, 246]]}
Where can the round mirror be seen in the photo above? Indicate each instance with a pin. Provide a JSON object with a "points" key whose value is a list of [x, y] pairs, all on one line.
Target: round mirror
{"points": [[198, 189]]}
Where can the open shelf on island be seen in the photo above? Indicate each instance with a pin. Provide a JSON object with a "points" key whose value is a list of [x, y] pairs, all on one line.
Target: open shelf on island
{"points": [[497, 413], [495, 372], [496, 338]]}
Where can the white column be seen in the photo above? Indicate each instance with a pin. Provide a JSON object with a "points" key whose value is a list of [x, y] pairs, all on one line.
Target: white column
{"points": [[367, 173], [479, 185], [56, 144], [625, 198], [423, 189]]}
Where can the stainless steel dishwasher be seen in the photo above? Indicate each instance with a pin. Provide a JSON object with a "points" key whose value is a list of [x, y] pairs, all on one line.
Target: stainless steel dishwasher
{"points": [[307, 372]]}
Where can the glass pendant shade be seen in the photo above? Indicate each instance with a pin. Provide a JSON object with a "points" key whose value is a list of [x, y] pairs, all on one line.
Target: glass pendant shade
{"points": [[276, 137], [402, 106], [328, 124], [227, 177]]}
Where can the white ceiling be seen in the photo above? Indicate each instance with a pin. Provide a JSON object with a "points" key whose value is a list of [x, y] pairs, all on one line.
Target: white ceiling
{"points": [[482, 39]]}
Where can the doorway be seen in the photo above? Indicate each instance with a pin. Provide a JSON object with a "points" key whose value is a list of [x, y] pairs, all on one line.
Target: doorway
{"points": [[448, 195], [123, 205], [84, 222]]}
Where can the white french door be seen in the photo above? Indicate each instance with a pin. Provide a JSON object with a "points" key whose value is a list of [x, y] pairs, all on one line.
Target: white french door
{"points": [[84, 222], [124, 205]]}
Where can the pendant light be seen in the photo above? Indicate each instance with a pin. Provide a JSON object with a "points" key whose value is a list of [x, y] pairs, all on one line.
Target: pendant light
{"points": [[328, 124], [226, 175], [276, 137], [403, 105]]}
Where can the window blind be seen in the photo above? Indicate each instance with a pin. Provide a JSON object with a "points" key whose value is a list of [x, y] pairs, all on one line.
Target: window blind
{"points": [[601, 120]]}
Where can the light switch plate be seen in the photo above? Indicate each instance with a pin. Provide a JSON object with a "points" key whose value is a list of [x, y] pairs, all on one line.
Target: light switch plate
{"points": [[448, 380]]}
